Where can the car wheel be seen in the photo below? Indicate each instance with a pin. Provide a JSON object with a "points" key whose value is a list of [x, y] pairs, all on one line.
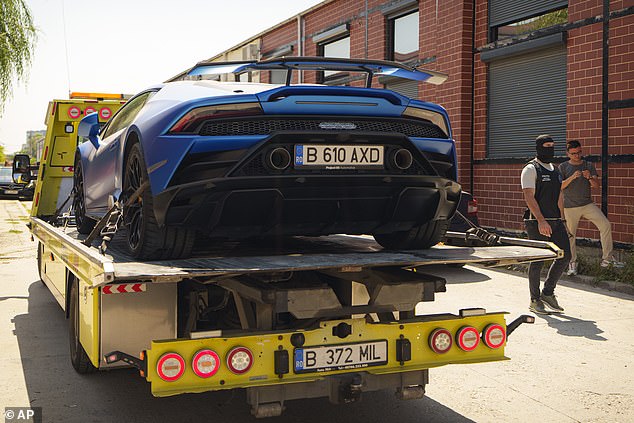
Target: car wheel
{"points": [[78, 357], [84, 223], [423, 236], [145, 239]]}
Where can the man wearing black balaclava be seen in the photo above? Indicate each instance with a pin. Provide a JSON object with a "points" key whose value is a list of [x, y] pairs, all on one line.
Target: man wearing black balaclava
{"points": [[541, 185]]}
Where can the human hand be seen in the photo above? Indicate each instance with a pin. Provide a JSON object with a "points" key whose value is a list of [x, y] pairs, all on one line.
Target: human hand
{"points": [[544, 228], [586, 174], [577, 174]]}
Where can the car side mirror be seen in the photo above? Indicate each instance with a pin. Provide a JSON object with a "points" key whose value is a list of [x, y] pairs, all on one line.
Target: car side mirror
{"points": [[21, 168], [89, 128]]}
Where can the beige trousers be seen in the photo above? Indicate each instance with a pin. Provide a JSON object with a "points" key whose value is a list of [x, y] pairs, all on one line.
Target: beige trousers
{"points": [[594, 215]]}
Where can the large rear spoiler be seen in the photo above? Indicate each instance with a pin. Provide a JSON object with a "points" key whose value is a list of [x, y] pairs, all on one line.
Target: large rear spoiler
{"points": [[290, 64]]}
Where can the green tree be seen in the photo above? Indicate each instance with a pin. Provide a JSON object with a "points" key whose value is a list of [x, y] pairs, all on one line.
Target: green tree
{"points": [[3, 158], [17, 43]]}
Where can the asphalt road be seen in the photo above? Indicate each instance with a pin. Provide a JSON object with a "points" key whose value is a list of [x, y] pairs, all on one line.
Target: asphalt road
{"points": [[574, 367]]}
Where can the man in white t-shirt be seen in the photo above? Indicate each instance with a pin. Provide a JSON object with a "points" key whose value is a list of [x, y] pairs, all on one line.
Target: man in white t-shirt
{"points": [[541, 185]]}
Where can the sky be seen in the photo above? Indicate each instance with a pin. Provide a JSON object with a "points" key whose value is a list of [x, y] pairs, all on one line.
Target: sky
{"points": [[125, 46]]}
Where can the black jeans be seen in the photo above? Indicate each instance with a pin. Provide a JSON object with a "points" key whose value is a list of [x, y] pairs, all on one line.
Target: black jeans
{"points": [[560, 238]]}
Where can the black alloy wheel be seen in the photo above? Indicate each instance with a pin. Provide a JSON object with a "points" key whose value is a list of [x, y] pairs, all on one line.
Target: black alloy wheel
{"points": [[134, 213], [147, 240]]}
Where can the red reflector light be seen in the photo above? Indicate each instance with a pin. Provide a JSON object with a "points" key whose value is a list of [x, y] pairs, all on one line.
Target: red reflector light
{"points": [[467, 338], [494, 336], [170, 367], [440, 341], [206, 363], [472, 207], [189, 123], [239, 360]]}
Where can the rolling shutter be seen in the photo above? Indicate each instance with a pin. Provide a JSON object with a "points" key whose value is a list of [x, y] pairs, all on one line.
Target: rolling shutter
{"points": [[527, 97]]}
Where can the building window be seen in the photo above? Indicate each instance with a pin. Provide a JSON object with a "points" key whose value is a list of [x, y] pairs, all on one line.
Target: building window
{"points": [[526, 26], [511, 18], [337, 48], [404, 37]]}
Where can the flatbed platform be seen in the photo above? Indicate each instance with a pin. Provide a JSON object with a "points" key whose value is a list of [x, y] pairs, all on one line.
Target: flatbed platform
{"points": [[343, 252]]}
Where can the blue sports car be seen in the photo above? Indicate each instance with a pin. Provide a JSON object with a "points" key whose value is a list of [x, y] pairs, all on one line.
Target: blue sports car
{"points": [[239, 160]]}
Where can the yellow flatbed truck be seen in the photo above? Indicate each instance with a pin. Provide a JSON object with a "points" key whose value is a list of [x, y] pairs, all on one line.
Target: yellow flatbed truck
{"points": [[308, 317]]}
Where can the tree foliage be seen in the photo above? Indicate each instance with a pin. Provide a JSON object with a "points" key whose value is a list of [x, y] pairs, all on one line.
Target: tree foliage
{"points": [[3, 158], [17, 42]]}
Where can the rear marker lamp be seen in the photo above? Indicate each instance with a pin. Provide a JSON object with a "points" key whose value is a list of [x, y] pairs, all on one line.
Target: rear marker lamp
{"points": [[191, 120], [205, 363], [467, 338], [239, 360], [440, 341], [494, 336], [170, 367]]}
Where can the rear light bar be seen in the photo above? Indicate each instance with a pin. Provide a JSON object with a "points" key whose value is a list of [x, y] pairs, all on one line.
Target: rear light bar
{"points": [[191, 120]]}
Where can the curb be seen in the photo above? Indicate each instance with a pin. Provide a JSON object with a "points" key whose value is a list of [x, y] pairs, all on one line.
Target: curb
{"points": [[623, 288]]}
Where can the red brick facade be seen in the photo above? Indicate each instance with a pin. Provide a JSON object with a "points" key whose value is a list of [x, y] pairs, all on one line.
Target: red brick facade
{"points": [[446, 44]]}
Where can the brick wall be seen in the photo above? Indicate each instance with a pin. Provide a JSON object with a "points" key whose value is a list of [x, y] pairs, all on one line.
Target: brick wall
{"points": [[446, 46]]}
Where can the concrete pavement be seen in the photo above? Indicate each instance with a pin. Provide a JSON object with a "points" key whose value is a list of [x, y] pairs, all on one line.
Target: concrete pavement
{"points": [[574, 367]]}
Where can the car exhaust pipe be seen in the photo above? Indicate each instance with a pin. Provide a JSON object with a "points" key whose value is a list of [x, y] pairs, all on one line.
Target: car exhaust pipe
{"points": [[403, 159], [279, 158]]}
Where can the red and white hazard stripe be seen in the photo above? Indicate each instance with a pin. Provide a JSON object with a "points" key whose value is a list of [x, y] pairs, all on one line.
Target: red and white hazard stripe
{"points": [[124, 288]]}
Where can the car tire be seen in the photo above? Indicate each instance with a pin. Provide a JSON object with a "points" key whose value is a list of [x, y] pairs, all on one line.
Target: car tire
{"points": [[420, 237], [84, 224], [146, 240], [78, 357]]}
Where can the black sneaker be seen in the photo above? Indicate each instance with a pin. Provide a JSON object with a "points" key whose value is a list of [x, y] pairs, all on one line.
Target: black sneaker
{"points": [[551, 302], [537, 306]]}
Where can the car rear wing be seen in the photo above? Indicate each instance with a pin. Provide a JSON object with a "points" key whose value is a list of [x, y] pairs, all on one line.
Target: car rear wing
{"points": [[290, 64]]}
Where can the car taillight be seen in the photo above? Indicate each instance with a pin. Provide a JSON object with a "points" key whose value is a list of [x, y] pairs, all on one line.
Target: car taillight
{"points": [[472, 207], [170, 367], [440, 341], [467, 338], [494, 336], [190, 121], [206, 363], [239, 360]]}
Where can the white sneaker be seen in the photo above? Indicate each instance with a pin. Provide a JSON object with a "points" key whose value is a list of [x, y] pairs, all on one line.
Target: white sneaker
{"points": [[612, 263], [572, 269]]}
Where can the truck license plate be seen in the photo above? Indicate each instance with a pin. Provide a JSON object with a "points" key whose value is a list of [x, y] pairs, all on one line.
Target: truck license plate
{"points": [[339, 156], [340, 357], [10, 191]]}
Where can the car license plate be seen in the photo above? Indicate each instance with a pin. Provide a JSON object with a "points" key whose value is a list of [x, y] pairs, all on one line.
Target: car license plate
{"points": [[10, 191], [340, 357], [339, 156]]}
